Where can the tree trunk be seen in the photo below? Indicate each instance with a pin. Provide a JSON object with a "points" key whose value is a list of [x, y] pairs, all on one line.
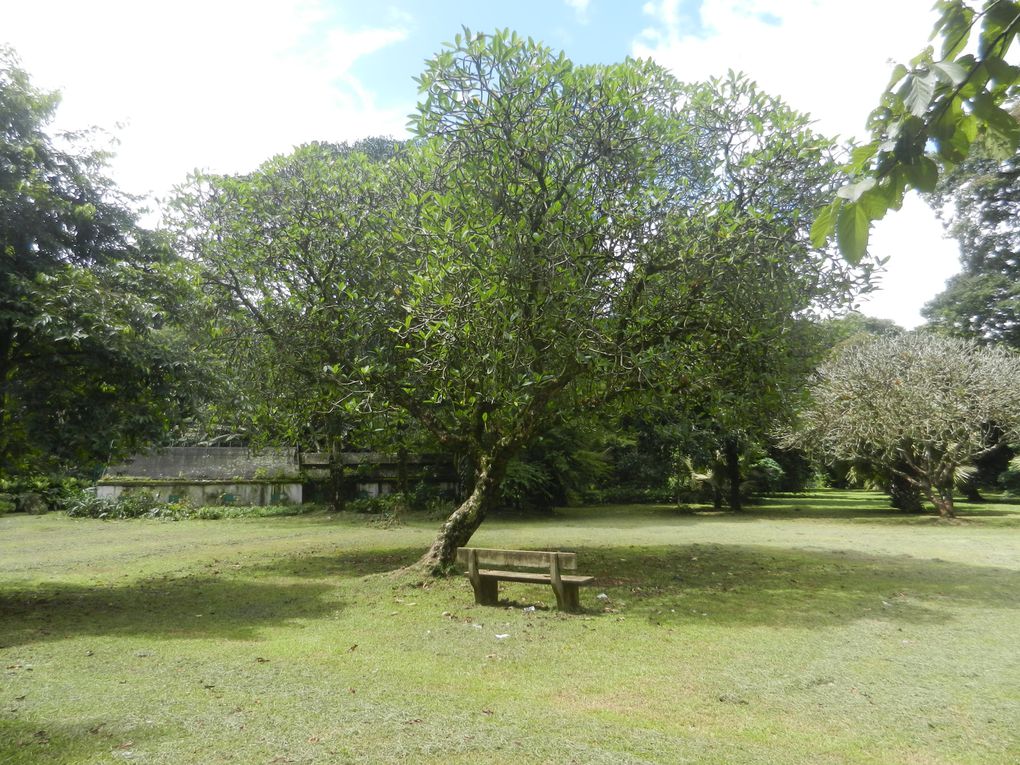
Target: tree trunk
{"points": [[944, 504], [942, 498], [732, 458], [337, 479], [403, 485], [466, 519], [6, 367]]}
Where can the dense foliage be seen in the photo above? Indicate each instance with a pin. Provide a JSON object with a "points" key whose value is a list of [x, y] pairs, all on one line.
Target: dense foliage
{"points": [[91, 364]]}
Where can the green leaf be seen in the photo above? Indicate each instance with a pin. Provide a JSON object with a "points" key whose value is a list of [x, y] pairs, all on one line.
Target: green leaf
{"points": [[923, 175], [852, 231], [919, 93], [954, 26], [998, 121], [950, 71], [862, 155], [1001, 72], [876, 202], [899, 72], [825, 224]]}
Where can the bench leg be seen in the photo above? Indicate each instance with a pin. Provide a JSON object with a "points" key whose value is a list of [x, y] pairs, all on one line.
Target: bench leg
{"points": [[567, 597], [486, 592]]}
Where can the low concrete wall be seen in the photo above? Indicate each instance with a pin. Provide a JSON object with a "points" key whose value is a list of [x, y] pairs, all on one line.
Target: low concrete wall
{"points": [[203, 463], [212, 493]]}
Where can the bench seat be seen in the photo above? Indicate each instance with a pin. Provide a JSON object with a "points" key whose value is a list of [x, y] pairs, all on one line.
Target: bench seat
{"points": [[527, 577]]}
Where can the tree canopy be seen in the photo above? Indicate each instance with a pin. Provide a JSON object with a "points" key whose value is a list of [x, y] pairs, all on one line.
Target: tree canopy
{"points": [[90, 364], [554, 236]]}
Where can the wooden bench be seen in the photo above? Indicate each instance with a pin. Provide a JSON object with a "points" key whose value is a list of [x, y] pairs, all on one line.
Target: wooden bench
{"points": [[485, 581]]}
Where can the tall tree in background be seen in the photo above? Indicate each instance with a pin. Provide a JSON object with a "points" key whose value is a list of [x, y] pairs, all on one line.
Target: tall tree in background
{"points": [[291, 261], [91, 363], [981, 200]]}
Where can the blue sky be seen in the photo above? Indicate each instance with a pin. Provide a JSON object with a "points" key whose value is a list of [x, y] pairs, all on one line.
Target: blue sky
{"points": [[225, 84], [595, 33]]}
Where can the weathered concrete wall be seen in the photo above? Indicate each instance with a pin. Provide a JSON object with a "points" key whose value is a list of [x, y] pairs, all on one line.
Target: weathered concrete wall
{"points": [[210, 463], [203, 494]]}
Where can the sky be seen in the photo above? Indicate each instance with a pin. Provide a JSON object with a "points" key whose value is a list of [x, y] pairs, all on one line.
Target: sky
{"points": [[223, 85]]}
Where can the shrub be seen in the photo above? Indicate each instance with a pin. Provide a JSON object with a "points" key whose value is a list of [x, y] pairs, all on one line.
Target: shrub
{"points": [[1010, 480], [766, 476]]}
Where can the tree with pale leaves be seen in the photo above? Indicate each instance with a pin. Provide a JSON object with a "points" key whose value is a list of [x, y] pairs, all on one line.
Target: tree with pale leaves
{"points": [[918, 405]]}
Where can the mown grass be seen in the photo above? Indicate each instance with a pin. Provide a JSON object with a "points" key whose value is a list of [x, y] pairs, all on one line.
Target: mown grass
{"points": [[812, 629]]}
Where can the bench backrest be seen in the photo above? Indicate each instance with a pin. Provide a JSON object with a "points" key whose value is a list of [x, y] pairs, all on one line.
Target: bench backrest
{"points": [[517, 558]]}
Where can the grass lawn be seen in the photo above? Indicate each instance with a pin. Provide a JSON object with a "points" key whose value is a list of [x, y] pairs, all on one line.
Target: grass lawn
{"points": [[813, 629]]}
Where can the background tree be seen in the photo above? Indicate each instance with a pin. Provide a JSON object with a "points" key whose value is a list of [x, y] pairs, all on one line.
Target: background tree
{"points": [[286, 254], [92, 362], [980, 203], [916, 405]]}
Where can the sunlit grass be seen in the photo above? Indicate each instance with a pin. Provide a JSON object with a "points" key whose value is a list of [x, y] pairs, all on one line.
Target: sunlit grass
{"points": [[812, 629]]}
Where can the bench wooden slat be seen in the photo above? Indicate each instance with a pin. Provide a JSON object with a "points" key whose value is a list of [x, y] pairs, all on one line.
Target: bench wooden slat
{"points": [[524, 558], [527, 576]]}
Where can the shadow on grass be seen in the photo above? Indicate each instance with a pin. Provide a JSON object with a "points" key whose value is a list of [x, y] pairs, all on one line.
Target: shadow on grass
{"points": [[32, 743], [742, 586], [724, 584], [231, 604], [342, 564], [190, 607]]}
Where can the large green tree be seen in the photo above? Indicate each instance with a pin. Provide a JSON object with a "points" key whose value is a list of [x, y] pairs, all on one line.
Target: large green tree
{"points": [[91, 363], [553, 237]]}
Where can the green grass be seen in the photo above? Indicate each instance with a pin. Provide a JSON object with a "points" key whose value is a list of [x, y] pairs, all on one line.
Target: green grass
{"points": [[812, 629]]}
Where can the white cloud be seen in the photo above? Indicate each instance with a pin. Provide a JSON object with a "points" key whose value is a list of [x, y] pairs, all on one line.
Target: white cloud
{"points": [[199, 84], [580, 8], [829, 58]]}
